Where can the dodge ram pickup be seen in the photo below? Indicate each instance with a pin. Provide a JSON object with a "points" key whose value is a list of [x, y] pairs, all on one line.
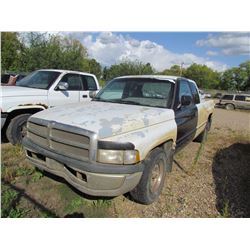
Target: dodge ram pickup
{"points": [[124, 139], [40, 90]]}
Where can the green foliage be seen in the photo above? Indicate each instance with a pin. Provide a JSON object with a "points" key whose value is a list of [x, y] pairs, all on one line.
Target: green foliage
{"points": [[175, 70], [53, 51], [18, 213], [10, 51], [24, 171], [93, 67], [8, 204], [203, 76], [127, 68], [237, 78], [74, 205], [37, 176], [102, 203]]}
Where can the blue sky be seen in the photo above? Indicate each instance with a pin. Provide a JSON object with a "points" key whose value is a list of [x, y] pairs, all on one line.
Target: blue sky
{"points": [[163, 49]]}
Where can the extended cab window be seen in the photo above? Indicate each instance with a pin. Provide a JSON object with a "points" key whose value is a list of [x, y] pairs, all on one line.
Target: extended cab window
{"points": [[74, 81], [89, 83], [195, 93], [184, 89], [227, 97], [240, 98]]}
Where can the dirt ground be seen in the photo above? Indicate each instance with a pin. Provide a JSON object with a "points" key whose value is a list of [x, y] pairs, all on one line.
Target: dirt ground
{"points": [[210, 180]]}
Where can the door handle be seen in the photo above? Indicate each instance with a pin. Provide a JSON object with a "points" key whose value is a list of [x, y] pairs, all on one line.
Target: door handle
{"points": [[84, 96]]}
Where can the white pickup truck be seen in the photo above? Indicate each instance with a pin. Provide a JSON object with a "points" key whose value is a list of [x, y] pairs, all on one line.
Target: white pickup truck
{"points": [[124, 139], [40, 90]]}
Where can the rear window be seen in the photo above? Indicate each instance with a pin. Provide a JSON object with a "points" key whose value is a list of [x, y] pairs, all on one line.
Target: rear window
{"points": [[240, 98], [227, 97]]}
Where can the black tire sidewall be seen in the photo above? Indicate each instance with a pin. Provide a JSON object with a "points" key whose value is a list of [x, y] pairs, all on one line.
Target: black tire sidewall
{"points": [[14, 129]]}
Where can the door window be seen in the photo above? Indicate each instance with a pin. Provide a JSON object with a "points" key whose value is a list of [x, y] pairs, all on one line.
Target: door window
{"points": [[74, 81]]}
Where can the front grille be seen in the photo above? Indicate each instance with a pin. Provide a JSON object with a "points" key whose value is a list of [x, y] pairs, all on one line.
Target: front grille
{"points": [[57, 137]]}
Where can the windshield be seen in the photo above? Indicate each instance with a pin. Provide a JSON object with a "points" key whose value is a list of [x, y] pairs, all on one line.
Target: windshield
{"points": [[138, 91], [39, 79]]}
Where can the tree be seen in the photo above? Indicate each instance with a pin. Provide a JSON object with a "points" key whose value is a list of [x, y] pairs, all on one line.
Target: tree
{"points": [[204, 76], [34, 50], [93, 67], [127, 68], [236, 78], [175, 70], [10, 51]]}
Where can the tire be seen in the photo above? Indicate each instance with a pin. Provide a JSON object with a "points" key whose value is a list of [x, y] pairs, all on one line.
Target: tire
{"points": [[152, 181], [202, 137], [17, 129], [230, 106]]}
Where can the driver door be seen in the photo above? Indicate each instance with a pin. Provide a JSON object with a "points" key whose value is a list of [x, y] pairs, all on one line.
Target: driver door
{"points": [[71, 95]]}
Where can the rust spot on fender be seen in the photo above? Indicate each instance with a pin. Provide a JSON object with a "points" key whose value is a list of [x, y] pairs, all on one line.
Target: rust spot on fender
{"points": [[32, 104]]}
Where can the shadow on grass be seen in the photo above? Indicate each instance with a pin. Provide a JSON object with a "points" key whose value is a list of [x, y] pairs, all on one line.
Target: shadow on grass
{"points": [[21, 193], [231, 173]]}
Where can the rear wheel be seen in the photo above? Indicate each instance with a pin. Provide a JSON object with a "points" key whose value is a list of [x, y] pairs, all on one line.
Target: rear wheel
{"points": [[230, 106], [152, 181], [17, 129]]}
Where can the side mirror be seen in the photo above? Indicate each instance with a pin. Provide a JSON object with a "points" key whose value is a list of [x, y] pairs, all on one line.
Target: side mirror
{"points": [[92, 94], [186, 100], [62, 86]]}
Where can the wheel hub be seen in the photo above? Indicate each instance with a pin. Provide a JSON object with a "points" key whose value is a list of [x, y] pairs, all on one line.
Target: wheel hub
{"points": [[156, 176]]}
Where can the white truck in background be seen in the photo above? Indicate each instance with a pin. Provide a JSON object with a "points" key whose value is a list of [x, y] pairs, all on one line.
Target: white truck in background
{"points": [[40, 90]]}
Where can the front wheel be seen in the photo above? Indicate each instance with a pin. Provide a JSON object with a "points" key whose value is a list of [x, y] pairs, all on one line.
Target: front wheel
{"points": [[152, 181], [17, 129]]}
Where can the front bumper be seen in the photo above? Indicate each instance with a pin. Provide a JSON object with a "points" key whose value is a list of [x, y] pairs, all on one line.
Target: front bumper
{"points": [[89, 177]]}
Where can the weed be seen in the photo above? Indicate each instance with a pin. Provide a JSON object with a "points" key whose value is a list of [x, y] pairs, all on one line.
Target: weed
{"points": [[74, 205], [8, 173], [102, 203], [47, 214], [9, 197], [225, 210], [18, 213], [37, 176], [25, 171]]}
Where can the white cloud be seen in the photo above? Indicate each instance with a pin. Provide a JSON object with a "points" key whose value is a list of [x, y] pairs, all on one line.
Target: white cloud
{"points": [[109, 48], [230, 43], [211, 53]]}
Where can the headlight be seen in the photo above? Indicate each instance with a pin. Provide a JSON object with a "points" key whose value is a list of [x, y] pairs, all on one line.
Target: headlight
{"points": [[118, 156]]}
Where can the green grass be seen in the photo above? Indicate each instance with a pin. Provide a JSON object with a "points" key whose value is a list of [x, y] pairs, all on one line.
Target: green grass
{"points": [[9, 204], [75, 205], [37, 176]]}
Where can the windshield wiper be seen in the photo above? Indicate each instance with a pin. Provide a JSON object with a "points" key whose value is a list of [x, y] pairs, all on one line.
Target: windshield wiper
{"points": [[102, 100], [128, 102]]}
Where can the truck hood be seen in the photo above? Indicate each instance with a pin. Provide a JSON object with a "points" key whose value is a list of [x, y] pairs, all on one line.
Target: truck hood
{"points": [[13, 91], [107, 119]]}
